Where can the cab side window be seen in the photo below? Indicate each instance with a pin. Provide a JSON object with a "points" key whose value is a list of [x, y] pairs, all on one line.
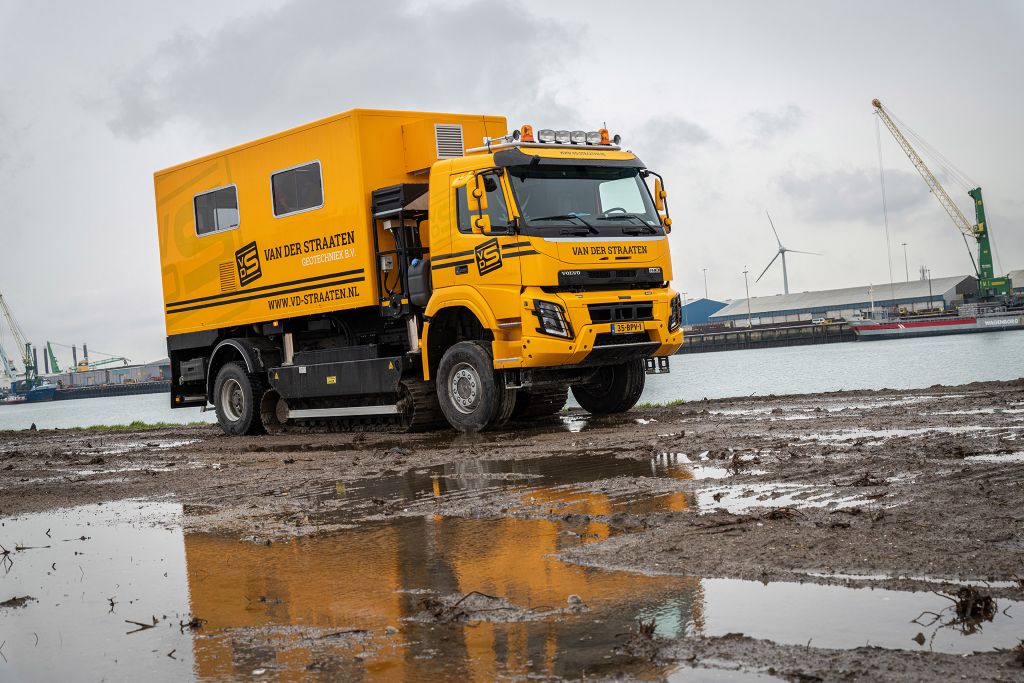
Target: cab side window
{"points": [[496, 207]]}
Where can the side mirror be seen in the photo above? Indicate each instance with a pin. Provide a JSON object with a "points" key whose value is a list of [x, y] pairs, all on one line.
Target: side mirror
{"points": [[482, 224], [659, 195], [661, 204], [476, 195]]}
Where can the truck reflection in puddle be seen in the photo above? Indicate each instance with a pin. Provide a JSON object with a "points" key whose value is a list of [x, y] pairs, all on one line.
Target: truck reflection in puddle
{"points": [[380, 575]]}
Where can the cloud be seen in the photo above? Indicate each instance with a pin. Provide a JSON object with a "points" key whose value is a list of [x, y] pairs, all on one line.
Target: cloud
{"points": [[853, 194], [764, 126], [661, 139], [318, 57]]}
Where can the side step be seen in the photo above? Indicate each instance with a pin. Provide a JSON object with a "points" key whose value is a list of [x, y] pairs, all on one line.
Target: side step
{"points": [[352, 411]]}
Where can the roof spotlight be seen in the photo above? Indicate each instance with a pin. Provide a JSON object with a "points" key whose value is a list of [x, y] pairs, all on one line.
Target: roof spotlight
{"points": [[545, 135], [562, 136], [578, 137], [617, 139], [593, 137]]}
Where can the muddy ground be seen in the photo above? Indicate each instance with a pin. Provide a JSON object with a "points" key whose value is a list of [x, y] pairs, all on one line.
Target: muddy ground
{"points": [[917, 491]]}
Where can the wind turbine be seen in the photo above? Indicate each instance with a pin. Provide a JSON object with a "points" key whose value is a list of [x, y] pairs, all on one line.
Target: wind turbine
{"points": [[781, 252]]}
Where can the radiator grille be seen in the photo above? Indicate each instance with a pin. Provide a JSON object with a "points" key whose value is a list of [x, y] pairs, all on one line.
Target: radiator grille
{"points": [[227, 277], [449, 140], [611, 313]]}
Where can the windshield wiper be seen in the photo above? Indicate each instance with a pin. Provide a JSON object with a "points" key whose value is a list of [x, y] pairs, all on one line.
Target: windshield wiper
{"points": [[568, 217], [640, 230], [643, 224]]}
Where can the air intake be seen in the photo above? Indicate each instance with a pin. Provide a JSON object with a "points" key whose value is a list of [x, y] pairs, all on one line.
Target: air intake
{"points": [[449, 140]]}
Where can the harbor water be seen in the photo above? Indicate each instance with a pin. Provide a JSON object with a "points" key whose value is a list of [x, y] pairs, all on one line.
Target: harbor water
{"points": [[893, 364]]}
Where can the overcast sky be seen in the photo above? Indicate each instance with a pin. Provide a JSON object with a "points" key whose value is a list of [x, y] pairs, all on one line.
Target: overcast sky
{"points": [[742, 106]]}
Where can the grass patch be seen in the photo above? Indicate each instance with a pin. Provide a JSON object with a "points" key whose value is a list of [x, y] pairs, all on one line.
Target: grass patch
{"points": [[136, 425], [668, 404]]}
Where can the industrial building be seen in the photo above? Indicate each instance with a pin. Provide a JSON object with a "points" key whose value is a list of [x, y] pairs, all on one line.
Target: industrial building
{"points": [[128, 374], [835, 304], [698, 311], [1017, 280]]}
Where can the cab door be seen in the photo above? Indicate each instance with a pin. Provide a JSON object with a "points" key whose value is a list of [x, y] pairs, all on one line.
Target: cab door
{"points": [[486, 260]]}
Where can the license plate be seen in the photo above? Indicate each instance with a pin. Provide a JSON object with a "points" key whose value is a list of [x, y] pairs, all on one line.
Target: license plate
{"points": [[627, 328]]}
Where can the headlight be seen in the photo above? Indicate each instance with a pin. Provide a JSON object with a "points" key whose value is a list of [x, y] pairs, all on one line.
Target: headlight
{"points": [[675, 316], [545, 135], [551, 317], [578, 137], [593, 138], [562, 136]]}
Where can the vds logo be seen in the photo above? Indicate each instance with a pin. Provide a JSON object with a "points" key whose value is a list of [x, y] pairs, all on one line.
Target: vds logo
{"points": [[488, 256], [247, 259]]}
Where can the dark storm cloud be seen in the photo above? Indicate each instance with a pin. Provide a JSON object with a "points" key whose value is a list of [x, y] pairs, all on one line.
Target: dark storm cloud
{"points": [[764, 125], [317, 57], [853, 195]]}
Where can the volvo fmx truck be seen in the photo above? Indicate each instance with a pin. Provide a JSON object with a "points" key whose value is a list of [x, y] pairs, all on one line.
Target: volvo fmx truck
{"points": [[368, 269]]}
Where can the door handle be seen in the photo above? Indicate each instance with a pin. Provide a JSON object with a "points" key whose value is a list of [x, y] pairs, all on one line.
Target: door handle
{"points": [[461, 270]]}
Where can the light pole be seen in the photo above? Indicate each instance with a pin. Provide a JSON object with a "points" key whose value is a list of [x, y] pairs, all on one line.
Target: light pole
{"points": [[929, 272], [705, 282], [746, 284], [906, 268]]}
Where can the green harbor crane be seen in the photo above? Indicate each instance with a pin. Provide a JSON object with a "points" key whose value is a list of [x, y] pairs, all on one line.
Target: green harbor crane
{"points": [[988, 284], [54, 367], [32, 378]]}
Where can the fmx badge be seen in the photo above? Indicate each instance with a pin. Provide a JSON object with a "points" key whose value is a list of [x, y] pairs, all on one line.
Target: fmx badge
{"points": [[488, 256], [248, 261]]}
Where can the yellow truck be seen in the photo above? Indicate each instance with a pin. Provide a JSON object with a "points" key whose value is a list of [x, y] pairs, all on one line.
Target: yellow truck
{"points": [[367, 268]]}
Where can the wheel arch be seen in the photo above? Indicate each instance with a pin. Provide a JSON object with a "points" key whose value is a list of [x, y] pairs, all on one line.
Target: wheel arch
{"points": [[255, 354], [453, 321]]}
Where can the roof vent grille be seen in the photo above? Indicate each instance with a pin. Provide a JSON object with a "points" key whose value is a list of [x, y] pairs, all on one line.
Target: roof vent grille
{"points": [[449, 140]]}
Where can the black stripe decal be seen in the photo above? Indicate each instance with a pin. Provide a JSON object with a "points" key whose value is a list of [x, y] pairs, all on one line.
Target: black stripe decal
{"points": [[442, 257], [528, 252], [516, 245], [262, 289], [452, 264], [318, 285]]}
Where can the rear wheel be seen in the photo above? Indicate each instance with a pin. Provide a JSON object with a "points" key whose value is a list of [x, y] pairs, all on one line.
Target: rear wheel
{"points": [[237, 396], [472, 396], [615, 388]]}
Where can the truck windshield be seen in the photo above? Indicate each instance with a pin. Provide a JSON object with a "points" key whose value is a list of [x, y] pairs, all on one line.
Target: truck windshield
{"points": [[584, 200]]}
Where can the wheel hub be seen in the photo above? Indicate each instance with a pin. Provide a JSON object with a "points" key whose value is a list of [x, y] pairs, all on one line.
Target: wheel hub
{"points": [[232, 399], [465, 388]]}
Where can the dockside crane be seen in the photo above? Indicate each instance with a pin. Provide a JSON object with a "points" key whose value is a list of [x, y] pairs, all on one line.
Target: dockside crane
{"points": [[988, 284], [32, 378], [54, 366]]}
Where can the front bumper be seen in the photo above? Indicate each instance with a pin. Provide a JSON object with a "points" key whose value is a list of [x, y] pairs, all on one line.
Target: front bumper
{"points": [[592, 343]]}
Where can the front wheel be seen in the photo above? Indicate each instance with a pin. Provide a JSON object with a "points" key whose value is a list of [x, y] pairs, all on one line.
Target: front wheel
{"points": [[237, 396], [614, 389], [472, 396]]}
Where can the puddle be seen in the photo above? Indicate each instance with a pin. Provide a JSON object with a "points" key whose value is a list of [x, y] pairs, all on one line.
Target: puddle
{"points": [[831, 617], [358, 603], [913, 577], [742, 498], [997, 458], [560, 478], [882, 434], [133, 553]]}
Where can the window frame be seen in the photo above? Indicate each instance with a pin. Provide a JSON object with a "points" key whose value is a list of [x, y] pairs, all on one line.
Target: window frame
{"points": [[323, 192], [499, 176], [195, 214]]}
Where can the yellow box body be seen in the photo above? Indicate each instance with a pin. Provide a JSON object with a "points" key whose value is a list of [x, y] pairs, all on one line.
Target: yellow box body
{"points": [[307, 263]]}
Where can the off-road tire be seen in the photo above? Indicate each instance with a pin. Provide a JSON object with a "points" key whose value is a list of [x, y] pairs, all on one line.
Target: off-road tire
{"points": [[543, 402], [237, 395], [615, 388], [472, 395]]}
